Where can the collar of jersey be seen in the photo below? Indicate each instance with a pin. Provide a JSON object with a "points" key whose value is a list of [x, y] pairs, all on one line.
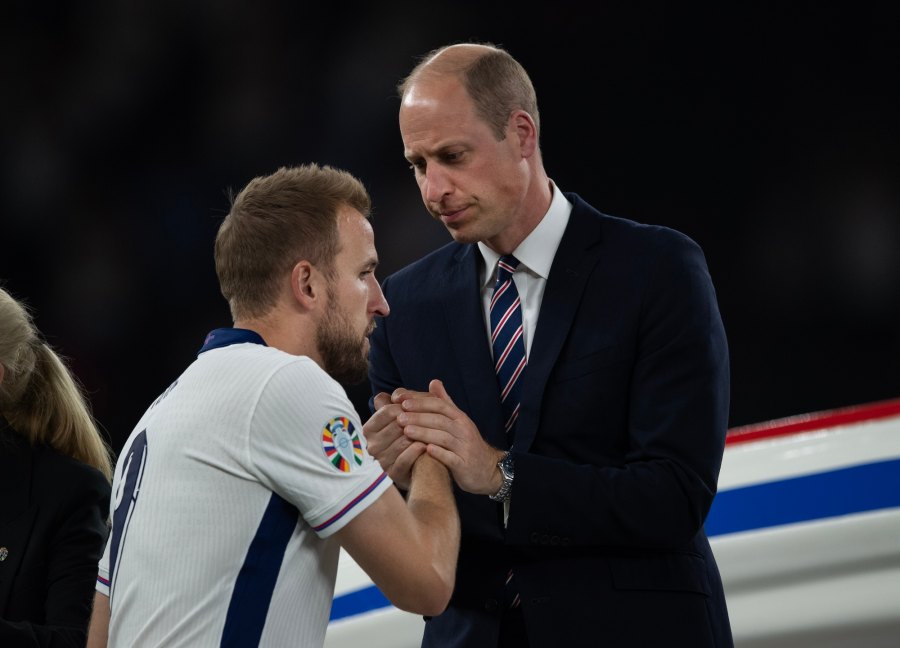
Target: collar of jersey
{"points": [[222, 337]]}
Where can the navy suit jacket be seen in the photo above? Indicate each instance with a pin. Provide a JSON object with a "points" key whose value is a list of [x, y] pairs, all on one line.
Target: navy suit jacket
{"points": [[52, 524], [618, 443]]}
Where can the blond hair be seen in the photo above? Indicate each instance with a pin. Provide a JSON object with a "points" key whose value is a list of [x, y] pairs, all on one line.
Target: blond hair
{"points": [[39, 397], [276, 221]]}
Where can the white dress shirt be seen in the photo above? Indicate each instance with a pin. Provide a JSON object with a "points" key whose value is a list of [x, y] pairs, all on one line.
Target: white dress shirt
{"points": [[535, 255]]}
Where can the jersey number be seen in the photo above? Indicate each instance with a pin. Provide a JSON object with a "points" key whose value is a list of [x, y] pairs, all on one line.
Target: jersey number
{"points": [[126, 495]]}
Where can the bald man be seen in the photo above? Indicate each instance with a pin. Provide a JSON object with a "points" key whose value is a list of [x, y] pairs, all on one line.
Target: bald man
{"points": [[569, 368]]}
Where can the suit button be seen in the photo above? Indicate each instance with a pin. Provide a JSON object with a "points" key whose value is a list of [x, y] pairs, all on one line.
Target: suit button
{"points": [[545, 539], [554, 540], [535, 538], [566, 542], [491, 605]]}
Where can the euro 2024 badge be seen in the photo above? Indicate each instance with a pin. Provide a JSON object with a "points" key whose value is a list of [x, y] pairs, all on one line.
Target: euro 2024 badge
{"points": [[340, 441]]}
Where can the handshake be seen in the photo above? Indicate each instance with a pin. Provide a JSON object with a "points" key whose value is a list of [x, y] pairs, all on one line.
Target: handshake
{"points": [[408, 424]]}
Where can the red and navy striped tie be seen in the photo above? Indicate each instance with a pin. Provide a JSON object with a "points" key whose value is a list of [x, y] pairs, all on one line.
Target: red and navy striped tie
{"points": [[507, 340]]}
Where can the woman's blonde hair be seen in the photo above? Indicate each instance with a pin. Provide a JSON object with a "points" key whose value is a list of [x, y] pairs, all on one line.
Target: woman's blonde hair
{"points": [[39, 397]]}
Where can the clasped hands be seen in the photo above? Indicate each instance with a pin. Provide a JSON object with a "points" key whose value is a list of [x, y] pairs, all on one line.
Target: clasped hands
{"points": [[408, 424]]}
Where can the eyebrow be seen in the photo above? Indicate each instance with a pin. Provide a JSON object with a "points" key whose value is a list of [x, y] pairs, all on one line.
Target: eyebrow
{"points": [[435, 152]]}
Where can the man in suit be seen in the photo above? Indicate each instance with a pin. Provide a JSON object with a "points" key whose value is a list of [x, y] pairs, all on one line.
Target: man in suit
{"points": [[584, 472]]}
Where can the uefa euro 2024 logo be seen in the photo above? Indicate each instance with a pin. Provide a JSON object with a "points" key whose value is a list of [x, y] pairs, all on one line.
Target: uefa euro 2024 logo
{"points": [[341, 443]]}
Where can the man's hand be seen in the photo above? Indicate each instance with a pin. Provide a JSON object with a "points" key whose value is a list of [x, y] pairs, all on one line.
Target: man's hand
{"points": [[451, 437], [386, 442]]}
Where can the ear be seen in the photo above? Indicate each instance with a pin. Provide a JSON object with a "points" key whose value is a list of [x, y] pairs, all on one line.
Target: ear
{"points": [[306, 284], [523, 129]]}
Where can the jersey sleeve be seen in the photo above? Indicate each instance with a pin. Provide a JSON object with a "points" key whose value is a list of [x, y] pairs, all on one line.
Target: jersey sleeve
{"points": [[103, 572], [307, 445]]}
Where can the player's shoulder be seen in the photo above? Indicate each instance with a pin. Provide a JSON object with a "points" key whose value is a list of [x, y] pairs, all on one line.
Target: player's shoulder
{"points": [[254, 360], [302, 375]]}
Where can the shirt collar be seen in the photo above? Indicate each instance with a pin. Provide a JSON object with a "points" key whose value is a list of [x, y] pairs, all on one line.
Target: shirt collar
{"points": [[222, 337], [536, 252]]}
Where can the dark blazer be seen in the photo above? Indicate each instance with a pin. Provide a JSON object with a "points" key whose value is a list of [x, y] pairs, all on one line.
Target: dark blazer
{"points": [[618, 443], [53, 512]]}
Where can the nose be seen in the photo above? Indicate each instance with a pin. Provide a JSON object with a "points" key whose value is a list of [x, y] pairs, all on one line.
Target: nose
{"points": [[377, 303], [436, 184]]}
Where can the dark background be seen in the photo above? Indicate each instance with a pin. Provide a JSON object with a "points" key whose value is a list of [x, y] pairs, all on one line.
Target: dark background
{"points": [[769, 133]]}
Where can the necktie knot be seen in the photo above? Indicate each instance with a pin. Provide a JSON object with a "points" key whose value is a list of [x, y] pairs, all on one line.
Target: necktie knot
{"points": [[506, 266]]}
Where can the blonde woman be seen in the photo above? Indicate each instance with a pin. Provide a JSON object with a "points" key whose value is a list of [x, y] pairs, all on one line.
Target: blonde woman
{"points": [[54, 491]]}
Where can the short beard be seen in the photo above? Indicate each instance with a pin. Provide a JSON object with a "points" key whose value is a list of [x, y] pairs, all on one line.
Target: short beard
{"points": [[343, 354]]}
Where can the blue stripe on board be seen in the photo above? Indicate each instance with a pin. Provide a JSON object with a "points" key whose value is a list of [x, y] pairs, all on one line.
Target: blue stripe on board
{"points": [[858, 489], [352, 603], [800, 499], [255, 583]]}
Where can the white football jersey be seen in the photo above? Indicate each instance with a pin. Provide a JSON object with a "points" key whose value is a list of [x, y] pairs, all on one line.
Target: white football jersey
{"points": [[224, 499]]}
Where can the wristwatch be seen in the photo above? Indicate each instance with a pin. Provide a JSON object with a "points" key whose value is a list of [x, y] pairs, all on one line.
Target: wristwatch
{"points": [[506, 471]]}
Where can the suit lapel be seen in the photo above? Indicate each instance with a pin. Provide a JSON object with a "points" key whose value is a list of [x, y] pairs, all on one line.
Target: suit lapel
{"points": [[579, 250], [464, 319]]}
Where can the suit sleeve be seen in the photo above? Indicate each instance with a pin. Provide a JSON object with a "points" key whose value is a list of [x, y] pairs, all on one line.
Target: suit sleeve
{"points": [[675, 414], [72, 555]]}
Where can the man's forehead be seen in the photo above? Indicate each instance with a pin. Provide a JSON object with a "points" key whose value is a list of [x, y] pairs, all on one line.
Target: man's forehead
{"points": [[355, 233], [444, 92]]}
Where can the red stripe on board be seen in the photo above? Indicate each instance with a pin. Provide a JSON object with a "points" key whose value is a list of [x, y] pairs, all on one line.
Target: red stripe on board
{"points": [[814, 421]]}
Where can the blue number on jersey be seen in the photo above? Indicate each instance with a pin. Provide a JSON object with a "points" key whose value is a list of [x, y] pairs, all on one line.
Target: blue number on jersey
{"points": [[126, 497]]}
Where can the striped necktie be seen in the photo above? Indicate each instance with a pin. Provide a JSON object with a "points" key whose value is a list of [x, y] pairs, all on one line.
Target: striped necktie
{"points": [[509, 361], [507, 340]]}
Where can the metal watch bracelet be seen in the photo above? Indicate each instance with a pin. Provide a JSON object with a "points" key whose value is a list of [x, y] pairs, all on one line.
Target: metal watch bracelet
{"points": [[506, 472]]}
